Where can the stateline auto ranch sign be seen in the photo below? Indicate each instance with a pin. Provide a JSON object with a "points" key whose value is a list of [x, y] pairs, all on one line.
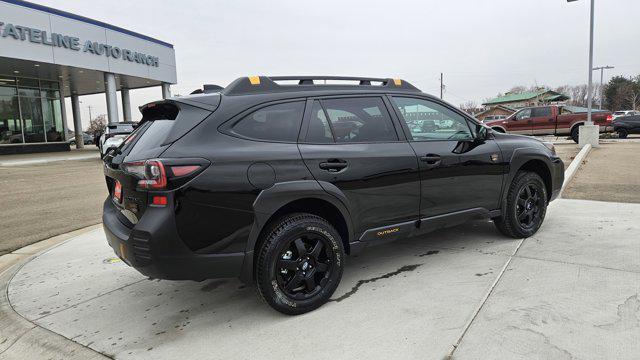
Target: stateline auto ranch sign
{"points": [[24, 33]]}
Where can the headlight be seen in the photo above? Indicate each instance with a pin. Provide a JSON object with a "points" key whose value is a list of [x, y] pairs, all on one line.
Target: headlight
{"points": [[550, 146]]}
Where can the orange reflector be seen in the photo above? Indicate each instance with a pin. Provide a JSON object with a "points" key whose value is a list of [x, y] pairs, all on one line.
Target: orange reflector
{"points": [[123, 251], [255, 80], [398, 82], [117, 192], [159, 200]]}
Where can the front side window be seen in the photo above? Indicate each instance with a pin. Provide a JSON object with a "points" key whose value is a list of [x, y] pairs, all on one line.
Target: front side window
{"points": [[523, 114], [364, 119], [427, 120], [279, 122]]}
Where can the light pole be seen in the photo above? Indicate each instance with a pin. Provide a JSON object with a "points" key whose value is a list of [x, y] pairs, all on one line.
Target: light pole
{"points": [[602, 68], [589, 133]]}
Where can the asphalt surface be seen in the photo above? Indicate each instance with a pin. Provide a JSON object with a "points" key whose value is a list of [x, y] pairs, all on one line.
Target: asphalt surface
{"points": [[567, 152], [44, 200], [569, 292], [610, 173]]}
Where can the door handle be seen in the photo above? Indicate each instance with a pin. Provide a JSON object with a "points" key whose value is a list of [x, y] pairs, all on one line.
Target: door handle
{"points": [[552, 120], [432, 160], [333, 165]]}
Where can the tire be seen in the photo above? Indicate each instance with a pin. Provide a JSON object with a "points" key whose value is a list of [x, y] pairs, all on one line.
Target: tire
{"points": [[498, 130], [575, 134], [623, 133], [527, 194], [293, 275]]}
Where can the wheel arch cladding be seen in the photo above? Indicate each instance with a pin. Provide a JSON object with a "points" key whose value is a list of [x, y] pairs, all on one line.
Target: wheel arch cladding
{"points": [[310, 205], [539, 167]]}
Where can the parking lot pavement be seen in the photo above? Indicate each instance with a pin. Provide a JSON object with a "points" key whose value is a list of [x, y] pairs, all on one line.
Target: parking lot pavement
{"points": [[45, 200], [571, 291], [567, 152]]}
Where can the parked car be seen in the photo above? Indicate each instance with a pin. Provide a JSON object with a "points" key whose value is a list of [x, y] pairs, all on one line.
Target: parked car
{"points": [[617, 114], [87, 139], [626, 125], [551, 120], [114, 135], [494, 117], [275, 183]]}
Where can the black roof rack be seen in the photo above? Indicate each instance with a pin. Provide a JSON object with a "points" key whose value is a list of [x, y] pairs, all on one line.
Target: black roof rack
{"points": [[207, 89], [261, 84]]}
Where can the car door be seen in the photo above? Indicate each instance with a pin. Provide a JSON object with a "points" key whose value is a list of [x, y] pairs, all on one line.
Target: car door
{"points": [[520, 123], [351, 145], [457, 171], [543, 122]]}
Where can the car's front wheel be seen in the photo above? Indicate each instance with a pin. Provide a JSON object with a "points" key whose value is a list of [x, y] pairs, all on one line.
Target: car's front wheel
{"points": [[526, 206], [299, 263], [575, 134]]}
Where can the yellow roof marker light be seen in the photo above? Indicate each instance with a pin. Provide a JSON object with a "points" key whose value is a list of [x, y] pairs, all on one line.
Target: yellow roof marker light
{"points": [[254, 80], [397, 82]]}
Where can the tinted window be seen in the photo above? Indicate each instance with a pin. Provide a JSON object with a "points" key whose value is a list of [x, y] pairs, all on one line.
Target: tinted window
{"points": [[541, 112], [152, 135], [427, 120], [280, 122], [360, 120], [319, 131]]}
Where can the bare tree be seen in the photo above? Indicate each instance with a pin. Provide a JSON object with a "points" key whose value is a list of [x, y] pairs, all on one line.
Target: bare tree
{"points": [[469, 107], [97, 124]]}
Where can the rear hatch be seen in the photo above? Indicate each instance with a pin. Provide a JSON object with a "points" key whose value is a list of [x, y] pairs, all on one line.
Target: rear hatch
{"points": [[163, 123]]}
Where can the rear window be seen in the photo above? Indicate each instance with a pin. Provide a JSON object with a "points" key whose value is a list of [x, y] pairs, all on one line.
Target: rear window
{"points": [[155, 133], [279, 122]]}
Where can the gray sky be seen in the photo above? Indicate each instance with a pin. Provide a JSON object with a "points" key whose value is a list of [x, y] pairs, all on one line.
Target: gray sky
{"points": [[482, 47]]}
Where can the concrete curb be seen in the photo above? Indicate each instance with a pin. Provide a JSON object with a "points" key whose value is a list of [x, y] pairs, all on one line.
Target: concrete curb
{"points": [[570, 172], [46, 161], [19, 337]]}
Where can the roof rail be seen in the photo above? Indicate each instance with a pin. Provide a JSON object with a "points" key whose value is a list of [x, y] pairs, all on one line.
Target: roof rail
{"points": [[261, 84]]}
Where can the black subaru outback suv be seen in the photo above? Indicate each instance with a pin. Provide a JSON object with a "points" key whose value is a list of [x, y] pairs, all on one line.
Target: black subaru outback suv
{"points": [[275, 179]]}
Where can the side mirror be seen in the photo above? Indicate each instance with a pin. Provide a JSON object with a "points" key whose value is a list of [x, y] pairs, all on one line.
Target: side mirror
{"points": [[483, 132]]}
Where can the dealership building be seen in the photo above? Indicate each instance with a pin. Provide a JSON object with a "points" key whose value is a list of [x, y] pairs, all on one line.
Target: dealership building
{"points": [[47, 55]]}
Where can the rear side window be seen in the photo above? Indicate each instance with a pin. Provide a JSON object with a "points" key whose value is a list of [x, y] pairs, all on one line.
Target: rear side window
{"points": [[279, 122], [541, 112], [363, 119], [155, 133], [319, 131]]}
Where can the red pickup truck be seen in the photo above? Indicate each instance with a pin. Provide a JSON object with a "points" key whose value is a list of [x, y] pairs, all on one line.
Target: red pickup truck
{"points": [[551, 120]]}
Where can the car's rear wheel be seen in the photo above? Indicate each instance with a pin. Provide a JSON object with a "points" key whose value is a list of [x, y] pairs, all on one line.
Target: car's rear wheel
{"points": [[299, 263], [526, 206], [623, 133], [575, 133]]}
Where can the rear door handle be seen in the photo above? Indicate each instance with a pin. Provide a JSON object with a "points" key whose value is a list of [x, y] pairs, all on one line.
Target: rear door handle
{"points": [[333, 165], [432, 160]]}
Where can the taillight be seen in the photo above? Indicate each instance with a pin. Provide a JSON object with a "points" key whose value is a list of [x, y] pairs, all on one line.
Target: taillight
{"points": [[156, 174], [117, 192], [184, 170], [609, 118], [155, 177]]}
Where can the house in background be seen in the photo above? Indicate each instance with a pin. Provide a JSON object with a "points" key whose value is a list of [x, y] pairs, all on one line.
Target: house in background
{"points": [[499, 110], [528, 98]]}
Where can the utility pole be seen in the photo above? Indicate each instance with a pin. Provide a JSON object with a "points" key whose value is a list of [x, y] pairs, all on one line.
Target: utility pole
{"points": [[90, 118], [441, 86], [602, 68]]}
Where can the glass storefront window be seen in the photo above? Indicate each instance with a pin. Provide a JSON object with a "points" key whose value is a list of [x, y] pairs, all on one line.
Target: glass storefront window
{"points": [[10, 124], [38, 102]]}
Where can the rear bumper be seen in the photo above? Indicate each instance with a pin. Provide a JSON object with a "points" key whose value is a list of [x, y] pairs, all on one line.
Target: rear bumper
{"points": [[154, 248], [557, 177]]}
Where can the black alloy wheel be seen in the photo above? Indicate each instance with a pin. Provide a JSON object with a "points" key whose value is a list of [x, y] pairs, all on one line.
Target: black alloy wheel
{"points": [[525, 208], [304, 266], [528, 206], [299, 263]]}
